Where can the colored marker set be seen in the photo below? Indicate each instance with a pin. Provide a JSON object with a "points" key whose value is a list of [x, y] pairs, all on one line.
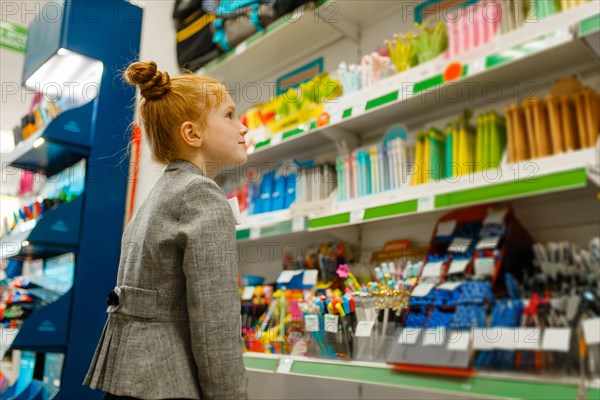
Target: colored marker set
{"points": [[275, 191], [41, 114], [374, 169]]}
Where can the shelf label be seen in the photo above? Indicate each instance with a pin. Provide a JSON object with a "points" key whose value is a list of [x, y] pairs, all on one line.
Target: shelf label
{"points": [[357, 216], [432, 270], [335, 118], [248, 293], [460, 245], [459, 340], [422, 289], [484, 339], [309, 278], [528, 338], [359, 109], [298, 224], [434, 337], [591, 331], [311, 323], [285, 365], [495, 216], [458, 267], [488, 243], [331, 323], [557, 339], [364, 329], [287, 275], [476, 66], [254, 232], [409, 336], [276, 139], [450, 285], [484, 267], [425, 204]]}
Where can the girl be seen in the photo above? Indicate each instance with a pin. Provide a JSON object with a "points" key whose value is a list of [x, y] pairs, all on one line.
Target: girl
{"points": [[173, 329]]}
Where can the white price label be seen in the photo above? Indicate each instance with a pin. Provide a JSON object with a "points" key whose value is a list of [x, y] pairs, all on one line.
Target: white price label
{"points": [[446, 228], [254, 232], [331, 323], [495, 216], [432, 270], [240, 48], [528, 338], [248, 292], [287, 276], [484, 339], [459, 340], [409, 335], [484, 267], [425, 204], [357, 216], [310, 277], [285, 365], [591, 330], [434, 337], [476, 66], [422, 289], [364, 329], [359, 109], [460, 245], [450, 285], [276, 139], [458, 267], [557, 339], [335, 118], [506, 338], [311, 323], [298, 224], [489, 243]]}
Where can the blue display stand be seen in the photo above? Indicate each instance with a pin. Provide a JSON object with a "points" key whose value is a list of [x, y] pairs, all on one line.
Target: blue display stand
{"points": [[107, 31]]}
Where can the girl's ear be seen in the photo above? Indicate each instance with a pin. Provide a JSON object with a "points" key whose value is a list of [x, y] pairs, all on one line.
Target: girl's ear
{"points": [[190, 134]]}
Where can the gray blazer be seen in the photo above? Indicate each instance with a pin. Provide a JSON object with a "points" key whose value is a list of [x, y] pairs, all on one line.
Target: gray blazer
{"points": [[176, 330]]}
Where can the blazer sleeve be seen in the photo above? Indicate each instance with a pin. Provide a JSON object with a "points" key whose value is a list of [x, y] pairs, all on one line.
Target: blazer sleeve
{"points": [[210, 265]]}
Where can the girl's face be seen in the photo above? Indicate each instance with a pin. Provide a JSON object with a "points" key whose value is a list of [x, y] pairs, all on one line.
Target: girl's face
{"points": [[224, 142]]}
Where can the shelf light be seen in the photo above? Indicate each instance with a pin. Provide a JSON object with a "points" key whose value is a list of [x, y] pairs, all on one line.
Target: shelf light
{"points": [[68, 75], [38, 143]]}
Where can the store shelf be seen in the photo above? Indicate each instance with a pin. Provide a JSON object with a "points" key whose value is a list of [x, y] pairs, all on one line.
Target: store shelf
{"points": [[296, 37], [535, 177], [47, 328], [421, 94], [270, 224], [57, 232], [481, 384], [62, 143]]}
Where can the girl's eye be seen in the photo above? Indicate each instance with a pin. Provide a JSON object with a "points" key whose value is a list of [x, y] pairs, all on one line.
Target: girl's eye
{"points": [[230, 115]]}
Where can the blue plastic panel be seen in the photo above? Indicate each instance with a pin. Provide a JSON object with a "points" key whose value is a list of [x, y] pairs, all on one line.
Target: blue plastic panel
{"points": [[46, 329]]}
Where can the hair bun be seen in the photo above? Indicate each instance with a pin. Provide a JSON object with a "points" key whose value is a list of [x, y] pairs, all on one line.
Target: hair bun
{"points": [[153, 83]]}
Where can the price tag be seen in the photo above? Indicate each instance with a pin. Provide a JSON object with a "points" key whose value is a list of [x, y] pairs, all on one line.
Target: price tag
{"points": [[476, 66], [460, 245], [311, 323], [248, 292], [298, 224], [446, 228], [409, 336], [331, 323], [459, 340], [425, 204], [591, 330], [364, 329], [489, 243], [287, 276], [254, 232], [240, 48], [359, 109], [557, 339], [528, 338], [484, 339], [335, 118], [458, 267], [450, 285], [285, 365], [432, 270], [276, 139], [495, 216], [506, 338], [484, 267], [309, 278], [434, 337], [422, 289], [357, 216]]}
